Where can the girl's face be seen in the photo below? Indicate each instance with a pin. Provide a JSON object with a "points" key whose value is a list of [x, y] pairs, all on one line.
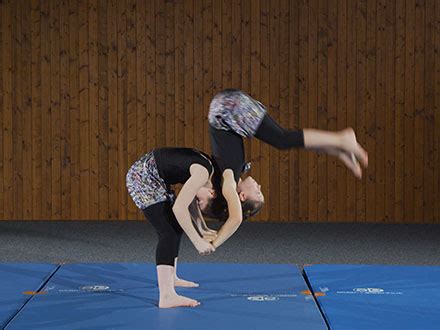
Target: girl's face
{"points": [[204, 195], [250, 189]]}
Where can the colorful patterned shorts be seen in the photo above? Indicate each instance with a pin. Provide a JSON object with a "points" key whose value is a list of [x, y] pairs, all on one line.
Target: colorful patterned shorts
{"points": [[236, 111], [145, 185]]}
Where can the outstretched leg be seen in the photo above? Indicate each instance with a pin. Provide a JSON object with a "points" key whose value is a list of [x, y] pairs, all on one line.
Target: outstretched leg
{"points": [[342, 144]]}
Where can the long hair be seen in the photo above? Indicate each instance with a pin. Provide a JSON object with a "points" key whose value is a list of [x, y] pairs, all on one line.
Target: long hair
{"points": [[249, 209]]}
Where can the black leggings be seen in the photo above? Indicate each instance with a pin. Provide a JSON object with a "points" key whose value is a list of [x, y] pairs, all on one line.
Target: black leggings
{"points": [[271, 133], [168, 231]]}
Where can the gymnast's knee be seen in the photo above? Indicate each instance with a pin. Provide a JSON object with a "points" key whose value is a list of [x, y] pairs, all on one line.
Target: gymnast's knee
{"points": [[166, 249], [289, 139]]}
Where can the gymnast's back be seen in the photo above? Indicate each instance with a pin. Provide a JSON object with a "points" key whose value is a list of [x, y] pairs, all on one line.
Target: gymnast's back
{"points": [[174, 163]]}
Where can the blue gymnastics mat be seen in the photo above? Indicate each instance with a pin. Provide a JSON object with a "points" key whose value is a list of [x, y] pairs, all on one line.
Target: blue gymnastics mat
{"points": [[125, 296], [377, 297], [17, 282]]}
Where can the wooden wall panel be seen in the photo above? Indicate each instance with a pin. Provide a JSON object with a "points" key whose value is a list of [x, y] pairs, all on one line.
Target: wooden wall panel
{"points": [[429, 123], [2, 187], [65, 142], [74, 109], [88, 86]]}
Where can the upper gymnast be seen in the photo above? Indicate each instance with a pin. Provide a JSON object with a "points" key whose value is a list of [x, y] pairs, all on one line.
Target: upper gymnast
{"points": [[233, 115], [148, 182]]}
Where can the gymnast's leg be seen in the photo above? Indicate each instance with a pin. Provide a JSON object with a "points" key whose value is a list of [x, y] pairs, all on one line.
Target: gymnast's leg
{"points": [[168, 241], [177, 280], [341, 144]]}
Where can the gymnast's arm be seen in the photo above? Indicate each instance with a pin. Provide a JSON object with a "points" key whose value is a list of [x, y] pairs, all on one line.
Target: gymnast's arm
{"points": [[200, 223], [199, 176], [229, 190]]}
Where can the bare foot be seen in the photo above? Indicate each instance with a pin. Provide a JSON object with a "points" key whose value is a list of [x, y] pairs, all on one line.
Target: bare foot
{"points": [[348, 158], [350, 145], [184, 283], [170, 301]]}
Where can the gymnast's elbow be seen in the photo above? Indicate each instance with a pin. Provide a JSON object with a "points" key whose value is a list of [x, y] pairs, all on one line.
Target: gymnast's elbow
{"points": [[179, 211], [235, 220]]}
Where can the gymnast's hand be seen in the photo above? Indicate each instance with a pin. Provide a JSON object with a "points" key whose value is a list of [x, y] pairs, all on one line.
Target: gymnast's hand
{"points": [[209, 235], [204, 247]]}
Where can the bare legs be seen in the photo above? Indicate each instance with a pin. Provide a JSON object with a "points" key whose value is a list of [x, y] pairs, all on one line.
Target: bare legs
{"points": [[342, 144]]}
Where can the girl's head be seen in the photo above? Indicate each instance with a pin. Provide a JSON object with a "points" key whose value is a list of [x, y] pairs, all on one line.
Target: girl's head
{"points": [[205, 196], [249, 192], [251, 197]]}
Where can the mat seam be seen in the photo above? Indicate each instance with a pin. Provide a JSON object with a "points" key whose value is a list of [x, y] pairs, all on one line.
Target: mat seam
{"points": [[304, 275], [32, 297]]}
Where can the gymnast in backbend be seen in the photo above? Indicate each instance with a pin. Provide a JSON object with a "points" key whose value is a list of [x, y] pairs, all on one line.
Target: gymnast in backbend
{"points": [[148, 182], [234, 115]]}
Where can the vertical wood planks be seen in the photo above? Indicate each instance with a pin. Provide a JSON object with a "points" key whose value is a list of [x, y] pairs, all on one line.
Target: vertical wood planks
{"points": [[322, 106], [429, 119], [84, 109], [112, 74], [380, 110], [400, 107], [17, 109], [26, 85], [409, 112], [342, 104], [255, 88], [103, 110], [7, 73], [122, 106], [160, 72], [361, 100], [294, 109], [332, 115], [131, 43], [274, 102], [370, 111], [351, 101], [390, 109], [199, 111], [312, 112], [207, 69], [179, 66], [93, 110], [169, 73], [419, 109], [65, 113], [284, 110], [437, 111], [265, 99], [189, 72], [303, 78], [88, 86], [74, 110], [1, 121]]}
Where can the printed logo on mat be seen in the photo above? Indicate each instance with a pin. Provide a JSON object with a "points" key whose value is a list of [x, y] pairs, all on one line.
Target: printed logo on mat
{"points": [[263, 297], [98, 288], [370, 291], [95, 288]]}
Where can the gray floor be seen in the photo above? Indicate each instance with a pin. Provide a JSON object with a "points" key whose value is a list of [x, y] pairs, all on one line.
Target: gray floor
{"points": [[297, 243]]}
